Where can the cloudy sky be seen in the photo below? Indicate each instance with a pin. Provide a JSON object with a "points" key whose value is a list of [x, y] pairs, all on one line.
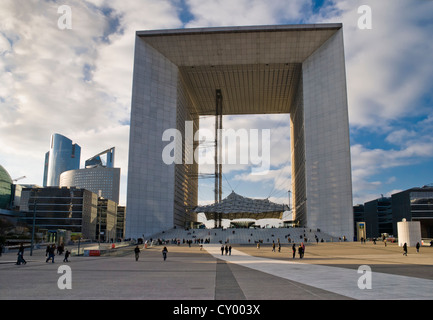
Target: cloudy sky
{"points": [[78, 82]]}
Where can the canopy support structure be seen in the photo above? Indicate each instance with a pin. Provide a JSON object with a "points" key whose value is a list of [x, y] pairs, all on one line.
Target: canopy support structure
{"points": [[218, 152]]}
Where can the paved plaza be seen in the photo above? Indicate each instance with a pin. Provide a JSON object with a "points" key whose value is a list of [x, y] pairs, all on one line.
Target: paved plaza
{"points": [[328, 271]]}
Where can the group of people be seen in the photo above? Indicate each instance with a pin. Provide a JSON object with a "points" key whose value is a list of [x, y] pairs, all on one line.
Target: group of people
{"points": [[301, 250], [137, 253], [417, 246], [227, 249], [50, 252]]}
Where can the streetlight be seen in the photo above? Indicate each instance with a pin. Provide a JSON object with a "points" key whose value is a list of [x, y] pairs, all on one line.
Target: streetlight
{"points": [[99, 215], [33, 227]]}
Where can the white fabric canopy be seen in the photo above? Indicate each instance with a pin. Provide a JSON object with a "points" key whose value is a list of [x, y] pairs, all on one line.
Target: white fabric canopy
{"points": [[239, 207]]}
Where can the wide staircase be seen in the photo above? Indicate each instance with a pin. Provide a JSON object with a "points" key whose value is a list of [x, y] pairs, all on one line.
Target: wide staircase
{"points": [[243, 235]]}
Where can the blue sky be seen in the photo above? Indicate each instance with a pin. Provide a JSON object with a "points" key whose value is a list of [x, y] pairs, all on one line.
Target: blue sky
{"points": [[78, 83]]}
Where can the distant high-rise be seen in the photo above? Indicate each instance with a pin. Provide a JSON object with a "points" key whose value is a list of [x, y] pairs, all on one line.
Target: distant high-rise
{"points": [[99, 176], [102, 159], [63, 155]]}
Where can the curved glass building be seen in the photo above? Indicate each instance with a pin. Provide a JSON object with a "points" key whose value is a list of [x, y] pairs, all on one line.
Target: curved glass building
{"points": [[5, 188], [63, 156], [106, 180]]}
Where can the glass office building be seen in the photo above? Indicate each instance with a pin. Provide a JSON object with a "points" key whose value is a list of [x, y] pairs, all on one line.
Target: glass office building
{"points": [[71, 209], [106, 180], [99, 176], [415, 204], [63, 155], [102, 159], [5, 188], [378, 217]]}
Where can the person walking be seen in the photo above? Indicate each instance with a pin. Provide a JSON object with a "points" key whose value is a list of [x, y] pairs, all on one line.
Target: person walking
{"points": [[164, 253], [230, 250], [222, 249], [20, 254], [417, 247], [67, 253], [405, 249], [51, 253], [300, 251], [137, 253], [273, 246], [294, 250]]}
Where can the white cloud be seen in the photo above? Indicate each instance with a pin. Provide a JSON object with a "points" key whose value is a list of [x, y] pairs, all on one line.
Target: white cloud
{"points": [[388, 67], [75, 82], [214, 13]]}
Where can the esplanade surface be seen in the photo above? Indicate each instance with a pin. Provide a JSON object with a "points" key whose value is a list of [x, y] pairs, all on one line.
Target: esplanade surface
{"points": [[328, 271]]}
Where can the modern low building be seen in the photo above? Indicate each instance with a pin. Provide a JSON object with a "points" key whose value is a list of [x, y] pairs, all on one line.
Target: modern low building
{"points": [[382, 215], [415, 204], [358, 216], [62, 156], [54, 208], [106, 228], [378, 217], [182, 74], [120, 228]]}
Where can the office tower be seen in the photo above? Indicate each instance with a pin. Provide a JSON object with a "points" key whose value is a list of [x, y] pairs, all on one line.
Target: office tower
{"points": [[62, 156], [99, 176]]}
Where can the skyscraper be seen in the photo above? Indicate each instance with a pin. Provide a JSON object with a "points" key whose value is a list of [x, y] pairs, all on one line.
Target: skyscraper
{"points": [[99, 175], [63, 155]]}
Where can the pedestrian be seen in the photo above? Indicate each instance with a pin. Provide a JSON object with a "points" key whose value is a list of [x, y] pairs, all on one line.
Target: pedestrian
{"points": [[222, 249], [51, 254], [137, 253], [300, 252], [164, 253], [230, 250], [294, 250], [273, 246], [21, 255], [227, 249], [279, 247], [303, 249], [67, 253], [405, 249], [417, 247]]}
